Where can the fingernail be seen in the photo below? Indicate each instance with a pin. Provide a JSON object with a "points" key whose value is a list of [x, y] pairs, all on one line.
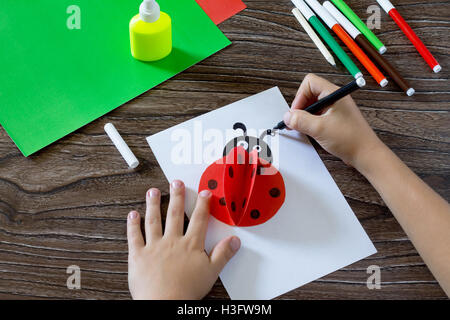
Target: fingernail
{"points": [[205, 193], [153, 193], [235, 244], [133, 215], [177, 184], [287, 118]]}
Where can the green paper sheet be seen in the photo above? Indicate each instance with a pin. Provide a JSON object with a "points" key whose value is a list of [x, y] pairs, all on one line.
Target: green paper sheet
{"points": [[54, 80]]}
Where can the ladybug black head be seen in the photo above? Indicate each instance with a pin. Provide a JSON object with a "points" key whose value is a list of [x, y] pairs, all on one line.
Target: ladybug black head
{"points": [[249, 143]]}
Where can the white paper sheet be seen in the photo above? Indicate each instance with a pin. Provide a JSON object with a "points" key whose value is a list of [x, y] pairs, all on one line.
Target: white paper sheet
{"points": [[314, 233]]}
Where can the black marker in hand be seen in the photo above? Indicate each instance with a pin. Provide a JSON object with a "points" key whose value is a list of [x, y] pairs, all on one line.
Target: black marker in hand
{"points": [[327, 101]]}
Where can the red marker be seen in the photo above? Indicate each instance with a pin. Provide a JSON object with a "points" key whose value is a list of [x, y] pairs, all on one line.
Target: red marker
{"points": [[426, 54]]}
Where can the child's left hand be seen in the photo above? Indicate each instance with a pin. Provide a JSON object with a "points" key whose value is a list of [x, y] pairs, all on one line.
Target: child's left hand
{"points": [[173, 265]]}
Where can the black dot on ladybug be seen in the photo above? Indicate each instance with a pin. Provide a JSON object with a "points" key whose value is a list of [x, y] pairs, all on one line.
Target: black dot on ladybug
{"points": [[230, 172], [274, 192], [243, 203], [233, 206], [212, 184], [222, 202], [255, 214]]}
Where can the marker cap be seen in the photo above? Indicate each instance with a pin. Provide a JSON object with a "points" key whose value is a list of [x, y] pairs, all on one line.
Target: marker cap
{"points": [[121, 145], [361, 82], [304, 9], [437, 68], [322, 13], [386, 5], [343, 21]]}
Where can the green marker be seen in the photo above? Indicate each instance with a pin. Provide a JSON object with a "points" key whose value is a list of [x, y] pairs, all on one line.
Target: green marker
{"points": [[328, 38], [360, 25]]}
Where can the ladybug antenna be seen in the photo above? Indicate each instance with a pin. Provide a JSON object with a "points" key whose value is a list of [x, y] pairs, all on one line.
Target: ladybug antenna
{"points": [[265, 133], [239, 125]]}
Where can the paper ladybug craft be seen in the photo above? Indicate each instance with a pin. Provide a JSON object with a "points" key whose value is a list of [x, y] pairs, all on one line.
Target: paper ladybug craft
{"points": [[247, 190]]}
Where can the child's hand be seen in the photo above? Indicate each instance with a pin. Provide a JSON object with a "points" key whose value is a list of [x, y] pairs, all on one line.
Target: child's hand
{"points": [[340, 130], [173, 265]]}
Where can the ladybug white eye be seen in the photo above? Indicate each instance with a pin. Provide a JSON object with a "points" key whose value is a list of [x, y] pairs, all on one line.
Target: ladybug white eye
{"points": [[243, 144], [257, 148]]}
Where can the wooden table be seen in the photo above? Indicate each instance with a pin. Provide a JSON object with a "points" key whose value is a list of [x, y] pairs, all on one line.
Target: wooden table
{"points": [[67, 204]]}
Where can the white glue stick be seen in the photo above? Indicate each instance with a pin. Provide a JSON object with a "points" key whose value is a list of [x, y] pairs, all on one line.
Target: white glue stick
{"points": [[121, 145]]}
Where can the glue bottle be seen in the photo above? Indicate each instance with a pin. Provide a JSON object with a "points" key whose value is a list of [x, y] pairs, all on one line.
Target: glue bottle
{"points": [[150, 33]]}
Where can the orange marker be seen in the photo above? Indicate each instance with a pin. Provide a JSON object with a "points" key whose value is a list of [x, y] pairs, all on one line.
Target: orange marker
{"points": [[360, 55], [349, 42]]}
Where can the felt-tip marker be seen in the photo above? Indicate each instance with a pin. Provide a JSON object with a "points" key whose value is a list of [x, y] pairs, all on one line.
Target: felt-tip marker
{"points": [[412, 36], [358, 23], [328, 38], [332, 23], [327, 101], [366, 45]]}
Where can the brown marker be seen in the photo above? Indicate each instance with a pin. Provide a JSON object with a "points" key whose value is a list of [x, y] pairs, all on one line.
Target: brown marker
{"points": [[367, 46], [383, 63]]}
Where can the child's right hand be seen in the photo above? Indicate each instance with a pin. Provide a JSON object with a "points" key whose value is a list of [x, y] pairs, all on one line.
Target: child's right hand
{"points": [[341, 130]]}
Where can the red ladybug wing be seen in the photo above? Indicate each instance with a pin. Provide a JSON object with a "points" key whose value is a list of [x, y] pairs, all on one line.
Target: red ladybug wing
{"points": [[238, 181], [212, 180], [267, 196], [245, 192]]}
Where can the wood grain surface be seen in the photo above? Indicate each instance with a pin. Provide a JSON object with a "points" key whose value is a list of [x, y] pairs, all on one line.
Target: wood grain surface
{"points": [[67, 204]]}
